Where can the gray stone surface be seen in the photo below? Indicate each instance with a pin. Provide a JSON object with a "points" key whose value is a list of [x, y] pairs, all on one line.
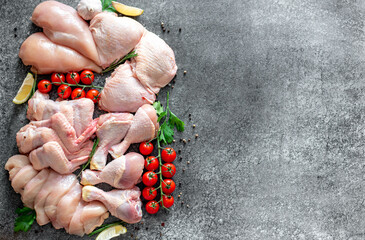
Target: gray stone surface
{"points": [[276, 89]]}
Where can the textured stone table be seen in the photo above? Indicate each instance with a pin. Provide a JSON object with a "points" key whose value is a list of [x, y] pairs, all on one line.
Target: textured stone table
{"points": [[276, 89]]}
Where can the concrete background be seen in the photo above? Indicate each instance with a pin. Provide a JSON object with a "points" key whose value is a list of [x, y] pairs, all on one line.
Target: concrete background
{"points": [[276, 89]]}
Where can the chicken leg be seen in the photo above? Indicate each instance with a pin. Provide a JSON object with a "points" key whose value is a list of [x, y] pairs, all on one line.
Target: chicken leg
{"points": [[123, 173]]}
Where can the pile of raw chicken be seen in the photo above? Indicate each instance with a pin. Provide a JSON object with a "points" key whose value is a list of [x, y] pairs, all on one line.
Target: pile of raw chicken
{"points": [[58, 139]]}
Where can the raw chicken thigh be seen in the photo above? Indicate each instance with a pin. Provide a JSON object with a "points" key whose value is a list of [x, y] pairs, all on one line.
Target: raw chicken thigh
{"points": [[144, 128], [123, 173], [123, 92], [155, 63], [114, 36], [47, 57], [62, 25], [123, 204], [111, 130]]}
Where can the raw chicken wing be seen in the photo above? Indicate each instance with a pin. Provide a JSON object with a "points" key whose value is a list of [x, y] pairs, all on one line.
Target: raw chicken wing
{"points": [[123, 204], [47, 57], [123, 173], [63, 26], [123, 92]]}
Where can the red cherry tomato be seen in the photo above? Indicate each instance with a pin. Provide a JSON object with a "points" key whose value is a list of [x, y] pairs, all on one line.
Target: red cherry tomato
{"points": [[152, 207], [168, 154], [64, 91], [57, 78], [168, 170], [77, 93], [149, 178], [87, 77], [72, 78], [146, 148], [167, 201], [149, 193], [168, 186], [44, 86], [93, 94], [151, 163]]}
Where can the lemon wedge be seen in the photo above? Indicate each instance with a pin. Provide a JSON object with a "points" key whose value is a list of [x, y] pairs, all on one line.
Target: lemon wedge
{"points": [[25, 90], [111, 232], [127, 10]]}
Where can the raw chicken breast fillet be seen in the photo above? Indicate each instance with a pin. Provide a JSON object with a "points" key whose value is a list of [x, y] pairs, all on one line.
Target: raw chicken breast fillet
{"points": [[47, 57], [63, 25]]}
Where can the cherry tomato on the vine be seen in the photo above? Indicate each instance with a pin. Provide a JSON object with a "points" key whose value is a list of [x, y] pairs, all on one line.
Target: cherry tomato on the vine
{"points": [[64, 91], [149, 193], [167, 201], [168, 170], [73, 77], [149, 178], [93, 94], [168, 186], [57, 78], [151, 163], [146, 148], [168, 155], [152, 207], [87, 77], [77, 93], [44, 86]]}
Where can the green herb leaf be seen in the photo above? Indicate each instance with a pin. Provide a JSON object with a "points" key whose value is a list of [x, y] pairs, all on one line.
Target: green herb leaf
{"points": [[174, 121], [159, 108], [103, 227], [166, 134], [95, 145], [25, 219], [116, 63]]}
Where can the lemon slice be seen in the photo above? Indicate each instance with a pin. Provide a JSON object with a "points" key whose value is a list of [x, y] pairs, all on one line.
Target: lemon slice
{"points": [[127, 10], [111, 232], [25, 90]]}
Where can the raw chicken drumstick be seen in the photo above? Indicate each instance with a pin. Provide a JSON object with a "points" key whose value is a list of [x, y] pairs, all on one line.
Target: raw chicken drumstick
{"points": [[111, 129], [63, 25], [144, 128], [123, 204], [55, 197], [123, 173]]}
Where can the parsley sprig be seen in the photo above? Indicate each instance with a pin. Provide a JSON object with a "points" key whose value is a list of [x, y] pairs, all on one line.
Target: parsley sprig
{"points": [[170, 122], [107, 6], [25, 219]]}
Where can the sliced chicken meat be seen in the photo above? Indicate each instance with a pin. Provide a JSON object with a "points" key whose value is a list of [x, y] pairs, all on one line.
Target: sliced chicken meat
{"points": [[144, 128], [114, 36], [123, 173], [63, 26], [55, 197], [155, 63], [123, 204], [111, 130], [123, 92], [47, 57]]}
